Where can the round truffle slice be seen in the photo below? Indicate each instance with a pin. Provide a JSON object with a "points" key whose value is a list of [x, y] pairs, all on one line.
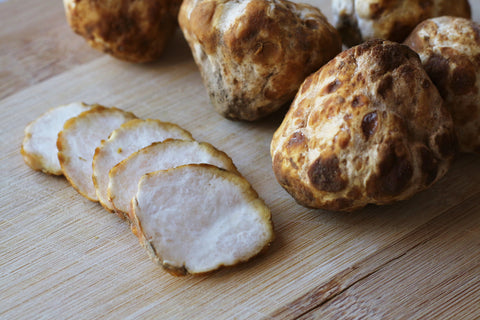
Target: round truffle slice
{"points": [[197, 218], [78, 140], [130, 137], [253, 55], [124, 177], [449, 48], [39, 147], [368, 127], [361, 20], [136, 31]]}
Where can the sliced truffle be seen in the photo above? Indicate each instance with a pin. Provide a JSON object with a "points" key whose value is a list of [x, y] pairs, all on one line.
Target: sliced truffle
{"points": [[195, 219], [122, 142], [124, 177], [39, 147], [78, 140]]}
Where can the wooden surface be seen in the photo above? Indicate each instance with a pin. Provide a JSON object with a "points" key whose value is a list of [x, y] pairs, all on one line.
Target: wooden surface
{"points": [[64, 257]]}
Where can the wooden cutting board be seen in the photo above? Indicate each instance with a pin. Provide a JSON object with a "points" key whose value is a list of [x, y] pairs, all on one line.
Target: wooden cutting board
{"points": [[64, 257]]}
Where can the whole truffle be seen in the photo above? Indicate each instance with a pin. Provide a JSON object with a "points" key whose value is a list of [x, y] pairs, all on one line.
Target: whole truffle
{"points": [[253, 55], [450, 52], [136, 31], [368, 127], [360, 20]]}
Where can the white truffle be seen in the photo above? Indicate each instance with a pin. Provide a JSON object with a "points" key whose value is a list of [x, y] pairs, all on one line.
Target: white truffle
{"points": [[449, 48], [254, 54], [368, 127], [136, 31], [361, 20]]}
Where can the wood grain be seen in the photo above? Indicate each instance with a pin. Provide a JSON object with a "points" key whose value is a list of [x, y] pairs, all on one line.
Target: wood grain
{"points": [[434, 276], [63, 256], [36, 44]]}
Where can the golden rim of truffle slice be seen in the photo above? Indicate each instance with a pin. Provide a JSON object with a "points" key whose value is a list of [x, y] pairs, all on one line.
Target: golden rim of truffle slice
{"points": [[124, 177], [78, 140], [130, 137], [39, 147]]}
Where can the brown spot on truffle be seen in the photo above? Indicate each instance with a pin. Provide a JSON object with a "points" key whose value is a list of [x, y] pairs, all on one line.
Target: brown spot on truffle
{"points": [[394, 171], [312, 24], [332, 87], [369, 124], [463, 80], [325, 174], [407, 72], [296, 139], [426, 84], [359, 101], [342, 138], [438, 70], [385, 86], [389, 56]]}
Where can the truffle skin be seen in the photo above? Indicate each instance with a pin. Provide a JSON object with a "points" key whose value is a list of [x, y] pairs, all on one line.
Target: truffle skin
{"points": [[135, 31], [360, 20], [449, 48], [254, 54], [368, 127]]}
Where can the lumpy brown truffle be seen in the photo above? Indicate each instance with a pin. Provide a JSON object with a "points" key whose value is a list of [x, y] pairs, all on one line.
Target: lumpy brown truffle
{"points": [[449, 48], [368, 127], [360, 20], [254, 54], [135, 31]]}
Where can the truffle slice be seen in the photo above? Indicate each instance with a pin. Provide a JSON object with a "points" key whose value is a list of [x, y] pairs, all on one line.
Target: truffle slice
{"points": [[124, 177], [449, 48], [361, 20], [197, 218], [130, 137], [39, 147], [368, 127], [254, 54], [78, 140]]}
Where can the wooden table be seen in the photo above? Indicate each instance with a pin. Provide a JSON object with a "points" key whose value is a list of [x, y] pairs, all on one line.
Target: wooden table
{"points": [[64, 257]]}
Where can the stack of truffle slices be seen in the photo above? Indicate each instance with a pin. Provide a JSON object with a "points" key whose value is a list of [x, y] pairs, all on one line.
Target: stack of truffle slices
{"points": [[187, 203]]}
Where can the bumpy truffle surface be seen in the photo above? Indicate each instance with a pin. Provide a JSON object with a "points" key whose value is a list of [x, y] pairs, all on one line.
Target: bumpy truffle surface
{"points": [[360, 20], [368, 127], [136, 31], [449, 48], [254, 54]]}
